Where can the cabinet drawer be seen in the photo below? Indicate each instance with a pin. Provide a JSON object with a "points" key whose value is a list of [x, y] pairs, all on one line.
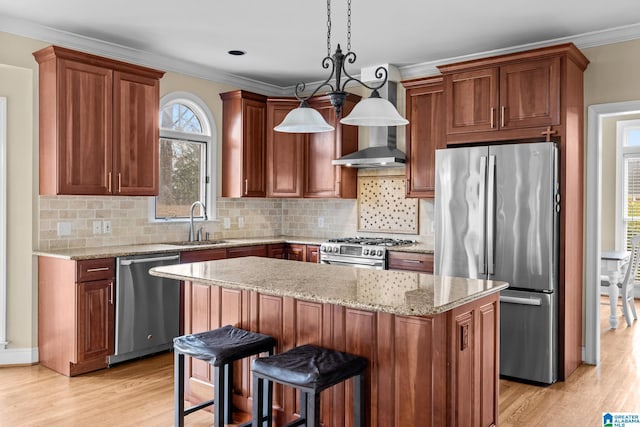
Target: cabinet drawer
{"points": [[203, 255], [410, 261], [95, 269]]}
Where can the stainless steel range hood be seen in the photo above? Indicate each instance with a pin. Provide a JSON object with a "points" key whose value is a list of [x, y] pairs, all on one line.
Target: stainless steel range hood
{"points": [[382, 151]]}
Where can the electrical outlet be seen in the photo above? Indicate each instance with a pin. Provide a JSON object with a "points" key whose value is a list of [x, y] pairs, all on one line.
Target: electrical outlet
{"points": [[226, 223], [240, 222], [106, 227], [97, 227], [320, 222], [64, 229]]}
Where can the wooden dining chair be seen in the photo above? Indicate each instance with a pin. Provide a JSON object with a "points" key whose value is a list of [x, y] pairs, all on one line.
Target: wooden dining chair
{"points": [[626, 286]]}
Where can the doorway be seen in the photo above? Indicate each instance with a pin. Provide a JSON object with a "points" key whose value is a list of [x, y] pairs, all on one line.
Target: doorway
{"points": [[593, 216]]}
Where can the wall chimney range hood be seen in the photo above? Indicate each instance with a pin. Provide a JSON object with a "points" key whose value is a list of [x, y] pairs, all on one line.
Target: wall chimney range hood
{"points": [[382, 151]]}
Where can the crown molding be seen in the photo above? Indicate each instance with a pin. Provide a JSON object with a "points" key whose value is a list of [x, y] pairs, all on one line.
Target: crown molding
{"points": [[135, 56], [166, 63], [582, 41]]}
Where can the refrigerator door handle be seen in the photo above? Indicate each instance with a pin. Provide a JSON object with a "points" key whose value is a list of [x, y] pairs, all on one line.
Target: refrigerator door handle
{"points": [[483, 180], [521, 301], [491, 213]]}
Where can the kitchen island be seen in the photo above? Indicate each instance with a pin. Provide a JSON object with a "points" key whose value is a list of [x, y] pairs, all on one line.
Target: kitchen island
{"points": [[432, 342]]}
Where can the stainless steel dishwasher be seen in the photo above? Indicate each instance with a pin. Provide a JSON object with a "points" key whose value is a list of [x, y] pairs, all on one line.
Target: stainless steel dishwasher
{"points": [[147, 307]]}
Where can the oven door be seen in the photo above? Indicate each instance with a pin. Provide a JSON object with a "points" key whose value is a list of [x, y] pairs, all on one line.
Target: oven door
{"points": [[350, 261]]}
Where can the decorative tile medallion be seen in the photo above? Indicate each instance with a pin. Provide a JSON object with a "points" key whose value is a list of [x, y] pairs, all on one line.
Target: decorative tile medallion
{"points": [[382, 206]]}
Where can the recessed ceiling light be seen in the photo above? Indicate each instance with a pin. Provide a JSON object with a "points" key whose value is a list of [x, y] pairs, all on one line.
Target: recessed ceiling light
{"points": [[236, 52]]}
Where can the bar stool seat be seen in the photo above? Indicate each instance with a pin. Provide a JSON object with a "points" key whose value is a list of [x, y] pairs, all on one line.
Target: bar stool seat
{"points": [[309, 369], [220, 348]]}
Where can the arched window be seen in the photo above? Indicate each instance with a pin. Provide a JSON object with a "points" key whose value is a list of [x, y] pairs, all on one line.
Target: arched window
{"points": [[187, 135]]}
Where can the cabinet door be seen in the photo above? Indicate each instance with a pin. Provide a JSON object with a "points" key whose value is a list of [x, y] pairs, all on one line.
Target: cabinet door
{"points": [[530, 94], [254, 115], [276, 251], [257, 250], [135, 139], [425, 134], [472, 100], [285, 153], [95, 321], [296, 252], [320, 174], [84, 126], [313, 253]]}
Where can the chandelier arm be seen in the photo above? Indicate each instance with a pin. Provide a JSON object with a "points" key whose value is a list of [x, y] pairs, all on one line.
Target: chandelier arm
{"points": [[381, 73], [300, 87]]}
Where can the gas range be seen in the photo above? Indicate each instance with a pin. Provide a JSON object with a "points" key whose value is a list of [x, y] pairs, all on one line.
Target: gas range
{"points": [[366, 252]]}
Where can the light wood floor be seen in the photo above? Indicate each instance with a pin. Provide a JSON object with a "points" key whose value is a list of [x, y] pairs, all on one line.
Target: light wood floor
{"points": [[140, 393]]}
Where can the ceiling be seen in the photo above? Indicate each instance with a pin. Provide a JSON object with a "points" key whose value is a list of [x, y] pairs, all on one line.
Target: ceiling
{"points": [[285, 40]]}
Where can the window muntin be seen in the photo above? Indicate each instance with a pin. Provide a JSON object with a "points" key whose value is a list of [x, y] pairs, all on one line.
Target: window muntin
{"points": [[186, 153]]}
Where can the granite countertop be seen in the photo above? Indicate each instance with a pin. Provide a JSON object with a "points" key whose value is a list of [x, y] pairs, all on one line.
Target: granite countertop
{"points": [[128, 250], [395, 292]]}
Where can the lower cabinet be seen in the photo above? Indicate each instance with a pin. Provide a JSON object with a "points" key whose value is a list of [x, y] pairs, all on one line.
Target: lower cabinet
{"points": [[423, 371], [412, 261], [300, 252], [76, 309]]}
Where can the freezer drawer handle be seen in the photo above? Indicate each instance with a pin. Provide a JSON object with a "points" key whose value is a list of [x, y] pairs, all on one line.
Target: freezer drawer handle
{"points": [[143, 260], [521, 301]]}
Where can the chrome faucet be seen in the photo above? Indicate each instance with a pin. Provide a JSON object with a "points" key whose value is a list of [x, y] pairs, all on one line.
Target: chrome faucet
{"points": [[204, 216]]}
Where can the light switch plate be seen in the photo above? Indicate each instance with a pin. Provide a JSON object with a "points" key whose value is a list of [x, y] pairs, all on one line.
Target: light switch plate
{"points": [[320, 222], [64, 229], [97, 227], [106, 227], [226, 223], [240, 222]]}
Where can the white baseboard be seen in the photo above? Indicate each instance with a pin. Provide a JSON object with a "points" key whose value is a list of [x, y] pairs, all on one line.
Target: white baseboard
{"points": [[18, 356]]}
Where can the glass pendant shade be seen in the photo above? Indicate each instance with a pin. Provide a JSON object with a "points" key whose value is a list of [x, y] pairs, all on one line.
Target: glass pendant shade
{"points": [[304, 120], [374, 111]]}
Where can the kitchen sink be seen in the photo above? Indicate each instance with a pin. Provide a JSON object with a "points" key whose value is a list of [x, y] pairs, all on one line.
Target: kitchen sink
{"points": [[197, 243]]}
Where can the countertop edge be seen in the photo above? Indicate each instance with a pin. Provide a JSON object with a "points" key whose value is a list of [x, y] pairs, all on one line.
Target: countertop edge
{"points": [[79, 254], [349, 304]]}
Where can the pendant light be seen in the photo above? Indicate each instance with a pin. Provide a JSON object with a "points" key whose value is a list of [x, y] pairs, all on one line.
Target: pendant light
{"points": [[373, 111]]}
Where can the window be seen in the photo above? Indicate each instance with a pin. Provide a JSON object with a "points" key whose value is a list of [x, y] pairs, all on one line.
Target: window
{"points": [[187, 153], [628, 182]]}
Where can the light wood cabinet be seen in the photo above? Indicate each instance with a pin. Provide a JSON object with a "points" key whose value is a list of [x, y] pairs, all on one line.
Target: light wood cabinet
{"points": [[98, 125], [412, 261], [75, 314], [425, 134], [244, 117], [299, 165]]}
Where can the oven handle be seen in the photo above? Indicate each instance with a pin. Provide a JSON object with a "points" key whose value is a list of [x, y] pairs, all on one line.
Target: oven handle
{"points": [[354, 264]]}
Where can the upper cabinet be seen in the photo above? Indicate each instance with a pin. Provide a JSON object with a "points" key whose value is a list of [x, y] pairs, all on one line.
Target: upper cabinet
{"points": [[244, 117], [299, 165], [425, 133], [98, 125], [513, 96]]}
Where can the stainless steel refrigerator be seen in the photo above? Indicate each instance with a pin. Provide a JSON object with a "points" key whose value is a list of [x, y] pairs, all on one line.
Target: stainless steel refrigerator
{"points": [[496, 217]]}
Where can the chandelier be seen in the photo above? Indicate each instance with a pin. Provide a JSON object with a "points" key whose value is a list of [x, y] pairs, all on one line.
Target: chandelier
{"points": [[372, 111]]}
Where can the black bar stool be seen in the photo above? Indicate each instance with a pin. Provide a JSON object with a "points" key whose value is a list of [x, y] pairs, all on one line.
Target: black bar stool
{"points": [[220, 347], [309, 369]]}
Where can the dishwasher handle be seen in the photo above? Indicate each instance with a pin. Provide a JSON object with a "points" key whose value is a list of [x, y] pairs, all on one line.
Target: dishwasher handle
{"points": [[521, 301], [146, 260]]}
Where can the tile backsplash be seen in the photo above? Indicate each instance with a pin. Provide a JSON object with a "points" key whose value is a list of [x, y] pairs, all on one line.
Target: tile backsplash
{"points": [[130, 223]]}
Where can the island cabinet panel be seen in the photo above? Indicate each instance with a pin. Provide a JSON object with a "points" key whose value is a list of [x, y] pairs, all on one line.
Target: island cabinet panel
{"points": [[423, 370], [474, 349]]}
